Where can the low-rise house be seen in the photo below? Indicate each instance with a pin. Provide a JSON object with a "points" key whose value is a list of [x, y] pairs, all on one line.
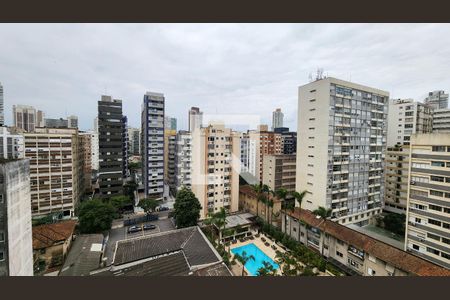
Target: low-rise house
{"points": [[180, 252], [354, 252], [51, 243]]}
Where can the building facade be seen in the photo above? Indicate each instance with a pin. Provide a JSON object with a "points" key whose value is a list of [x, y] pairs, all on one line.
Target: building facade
{"points": [[2, 106], [396, 179], [354, 253], [195, 118], [55, 123], [279, 172], [27, 117], [86, 148], [407, 117], [342, 139], [183, 159], [277, 119], [94, 150], [152, 131], [170, 123], [16, 249], [72, 121], [170, 139], [428, 213], [215, 168], [288, 140], [441, 120], [134, 136], [437, 100], [11, 145], [110, 144], [56, 170], [125, 147]]}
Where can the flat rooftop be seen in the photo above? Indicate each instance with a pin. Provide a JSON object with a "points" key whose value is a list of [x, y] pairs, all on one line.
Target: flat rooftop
{"points": [[238, 220]]}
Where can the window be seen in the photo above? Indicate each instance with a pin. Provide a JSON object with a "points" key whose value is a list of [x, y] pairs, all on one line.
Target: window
{"points": [[446, 241], [339, 254], [415, 247], [2, 236], [437, 178], [371, 272], [438, 148], [433, 236], [436, 193], [445, 255], [434, 222], [2, 256], [438, 163], [434, 251], [434, 207]]}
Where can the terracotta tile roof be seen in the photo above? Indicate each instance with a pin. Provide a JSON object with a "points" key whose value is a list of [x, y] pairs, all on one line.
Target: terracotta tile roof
{"points": [[46, 235], [395, 257], [248, 190]]}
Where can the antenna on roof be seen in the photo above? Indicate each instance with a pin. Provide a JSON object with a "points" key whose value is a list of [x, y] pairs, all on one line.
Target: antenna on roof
{"points": [[319, 74]]}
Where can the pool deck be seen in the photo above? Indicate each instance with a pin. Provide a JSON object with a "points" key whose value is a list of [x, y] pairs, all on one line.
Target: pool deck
{"points": [[260, 244]]}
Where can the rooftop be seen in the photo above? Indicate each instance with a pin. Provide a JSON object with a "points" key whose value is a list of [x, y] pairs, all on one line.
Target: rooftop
{"points": [[396, 257], [179, 252], [248, 190], [84, 255], [49, 234], [240, 219]]}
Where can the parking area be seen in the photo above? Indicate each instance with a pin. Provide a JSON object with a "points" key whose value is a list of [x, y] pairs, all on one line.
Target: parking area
{"points": [[118, 234]]}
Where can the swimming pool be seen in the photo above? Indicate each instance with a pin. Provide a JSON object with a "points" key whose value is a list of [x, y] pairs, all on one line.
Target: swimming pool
{"points": [[252, 266]]}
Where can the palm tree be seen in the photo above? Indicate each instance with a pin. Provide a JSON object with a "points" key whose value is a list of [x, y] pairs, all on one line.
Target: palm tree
{"points": [[258, 190], [282, 195], [270, 204], [217, 219], [323, 212], [267, 270], [243, 259], [299, 199]]}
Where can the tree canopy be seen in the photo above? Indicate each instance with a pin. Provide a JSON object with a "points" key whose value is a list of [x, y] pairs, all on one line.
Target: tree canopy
{"points": [[95, 216], [148, 204], [186, 208]]}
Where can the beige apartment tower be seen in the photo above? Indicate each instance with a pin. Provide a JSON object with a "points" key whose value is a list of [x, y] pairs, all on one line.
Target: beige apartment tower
{"points": [[215, 168], [428, 213], [279, 172], [56, 170], [341, 144]]}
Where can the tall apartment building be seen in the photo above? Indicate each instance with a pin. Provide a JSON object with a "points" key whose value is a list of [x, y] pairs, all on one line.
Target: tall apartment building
{"points": [[437, 100], [27, 117], [215, 168], [170, 137], [96, 124], [2, 106], [279, 172], [277, 119], [195, 118], [152, 147], [441, 120], [134, 136], [170, 123], [86, 146], [125, 147], [72, 121], [11, 145], [110, 144], [288, 140], [405, 118], [94, 150], [56, 170], [183, 159], [428, 213], [342, 139], [16, 242]]}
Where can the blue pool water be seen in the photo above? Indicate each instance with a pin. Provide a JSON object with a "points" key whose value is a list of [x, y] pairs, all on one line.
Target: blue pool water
{"points": [[253, 265]]}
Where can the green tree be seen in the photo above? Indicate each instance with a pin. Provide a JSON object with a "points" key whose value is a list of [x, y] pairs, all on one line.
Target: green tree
{"points": [[267, 270], [119, 202], [395, 223], [322, 212], [218, 219], [148, 204], [186, 208], [243, 259], [95, 216], [128, 190], [258, 190]]}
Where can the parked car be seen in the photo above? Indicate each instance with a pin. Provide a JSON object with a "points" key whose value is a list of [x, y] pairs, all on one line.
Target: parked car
{"points": [[135, 228], [149, 227], [163, 208]]}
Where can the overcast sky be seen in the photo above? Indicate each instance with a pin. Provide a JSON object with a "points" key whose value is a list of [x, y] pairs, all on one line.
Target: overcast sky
{"points": [[63, 69]]}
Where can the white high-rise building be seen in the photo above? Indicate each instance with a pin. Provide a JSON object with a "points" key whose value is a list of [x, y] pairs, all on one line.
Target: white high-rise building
{"points": [[437, 100], [183, 159], [216, 168], [195, 118], [277, 119], [72, 121], [134, 135], [153, 144], [11, 145], [94, 149], [405, 118], [342, 144], [2, 106]]}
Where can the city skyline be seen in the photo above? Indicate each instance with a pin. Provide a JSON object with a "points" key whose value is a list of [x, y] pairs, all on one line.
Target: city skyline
{"points": [[250, 67]]}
